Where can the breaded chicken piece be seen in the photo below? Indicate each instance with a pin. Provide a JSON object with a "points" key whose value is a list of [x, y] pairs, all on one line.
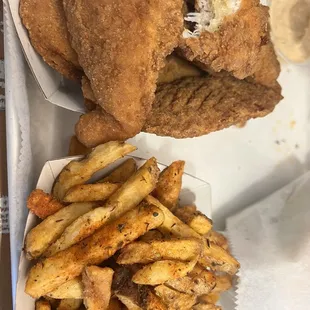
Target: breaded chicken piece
{"points": [[196, 106], [42, 204], [46, 24], [192, 107], [235, 45], [268, 67], [121, 46]]}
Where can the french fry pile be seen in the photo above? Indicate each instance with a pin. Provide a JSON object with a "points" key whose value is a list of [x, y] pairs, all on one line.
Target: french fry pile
{"points": [[123, 242]]}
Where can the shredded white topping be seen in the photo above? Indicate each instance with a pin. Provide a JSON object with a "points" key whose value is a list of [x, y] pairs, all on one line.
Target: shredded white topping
{"points": [[210, 15]]}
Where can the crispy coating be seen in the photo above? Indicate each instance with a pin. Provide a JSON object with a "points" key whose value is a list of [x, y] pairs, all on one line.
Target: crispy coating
{"points": [[121, 56], [42, 204], [46, 24], [235, 46], [268, 68], [196, 106]]}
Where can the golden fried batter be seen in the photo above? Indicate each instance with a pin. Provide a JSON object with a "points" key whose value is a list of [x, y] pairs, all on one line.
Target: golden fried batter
{"points": [[46, 24], [121, 46], [235, 46], [42, 204], [196, 106], [191, 107]]}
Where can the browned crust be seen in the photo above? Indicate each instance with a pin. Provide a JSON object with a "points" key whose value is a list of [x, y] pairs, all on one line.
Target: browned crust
{"points": [[46, 25], [197, 106], [235, 46], [42, 204]]}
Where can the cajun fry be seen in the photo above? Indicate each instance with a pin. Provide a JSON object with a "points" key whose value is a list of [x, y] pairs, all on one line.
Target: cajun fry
{"points": [[162, 271], [122, 173], [172, 224], [144, 253], [72, 289], [43, 235], [152, 235], [174, 299], [218, 239], [91, 192], [206, 307], [169, 185], [69, 304], [223, 283], [42, 204], [153, 302], [194, 219], [79, 172], [218, 259], [53, 271], [129, 195], [97, 287], [43, 305], [194, 284]]}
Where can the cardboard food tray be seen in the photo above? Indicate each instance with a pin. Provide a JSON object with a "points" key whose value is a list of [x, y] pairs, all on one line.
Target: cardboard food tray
{"points": [[193, 191], [55, 88]]}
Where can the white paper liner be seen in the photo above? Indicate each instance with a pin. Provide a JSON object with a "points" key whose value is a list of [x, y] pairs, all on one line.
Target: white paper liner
{"points": [[273, 215], [19, 151]]}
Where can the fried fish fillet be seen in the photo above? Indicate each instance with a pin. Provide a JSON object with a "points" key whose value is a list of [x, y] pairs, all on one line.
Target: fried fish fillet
{"points": [[46, 24], [121, 46], [197, 106], [234, 45], [194, 106]]}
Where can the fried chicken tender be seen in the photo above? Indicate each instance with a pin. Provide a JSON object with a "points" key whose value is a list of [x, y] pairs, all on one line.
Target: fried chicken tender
{"points": [[46, 24], [121, 55], [196, 106], [236, 44]]}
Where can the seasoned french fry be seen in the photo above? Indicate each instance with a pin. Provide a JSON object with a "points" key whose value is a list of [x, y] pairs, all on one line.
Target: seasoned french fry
{"points": [[211, 298], [223, 283], [174, 299], [115, 304], [42, 204], [172, 224], [53, 271], [77, 148], [79, 172], [162, 271], [43, 235], [125, 290], [169, 185], [152, 235], [194, 219], [218, 239], [97, 287], [218, 259], [122, 173], [129, 195], [194, 283], [72, 289], [69, 304], [91, 192], [43, 305], [206, 307], [153, 302], [129, 302], [144, 253]]}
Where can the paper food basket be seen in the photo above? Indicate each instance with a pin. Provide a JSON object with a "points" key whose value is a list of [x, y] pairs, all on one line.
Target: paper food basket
{"points": [[193, 191], [55, 88]]}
